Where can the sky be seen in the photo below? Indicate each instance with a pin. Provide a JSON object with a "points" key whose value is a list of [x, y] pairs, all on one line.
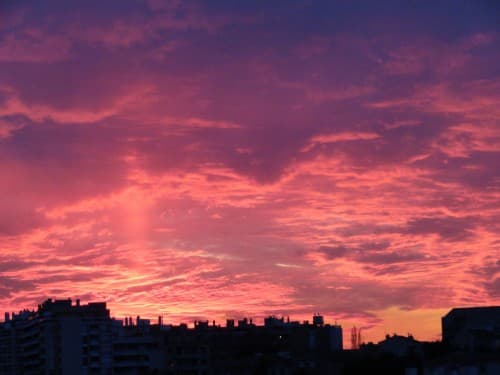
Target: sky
{"points": [[223, 159]]}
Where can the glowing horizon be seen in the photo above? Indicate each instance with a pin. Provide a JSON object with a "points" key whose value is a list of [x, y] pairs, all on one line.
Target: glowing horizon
{"points": [[210, 161]]}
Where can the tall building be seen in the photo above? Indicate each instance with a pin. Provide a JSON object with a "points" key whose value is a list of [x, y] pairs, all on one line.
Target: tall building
{"points": [[59, 338]]}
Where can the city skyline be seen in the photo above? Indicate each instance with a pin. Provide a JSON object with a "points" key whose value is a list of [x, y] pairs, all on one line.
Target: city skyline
{"points": [[83, 338], [214, 160], [482, 318], [70, 305]]}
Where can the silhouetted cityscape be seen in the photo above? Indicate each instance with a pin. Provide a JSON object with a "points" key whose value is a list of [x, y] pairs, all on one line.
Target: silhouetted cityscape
{"points": [[62, 337]]}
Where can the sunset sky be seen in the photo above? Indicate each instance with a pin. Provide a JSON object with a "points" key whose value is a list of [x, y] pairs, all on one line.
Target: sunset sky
{"points": [[222, 159]]}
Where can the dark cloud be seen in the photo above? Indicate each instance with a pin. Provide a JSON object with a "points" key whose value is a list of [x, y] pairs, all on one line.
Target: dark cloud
{"points": [[493, 288], [10, 286], [14, 264], [392, 257], [449, 228], [333, 252]]}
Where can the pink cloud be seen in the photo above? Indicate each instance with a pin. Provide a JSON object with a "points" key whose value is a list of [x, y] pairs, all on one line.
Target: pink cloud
{"points": [[6, 128], [40, 112], [339, 137]]}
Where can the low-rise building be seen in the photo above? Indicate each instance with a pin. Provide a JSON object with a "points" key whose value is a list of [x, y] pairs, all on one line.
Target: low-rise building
{"points": [[472, 328]]}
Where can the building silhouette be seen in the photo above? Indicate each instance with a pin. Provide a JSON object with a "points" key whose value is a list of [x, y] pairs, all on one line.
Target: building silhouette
{"points": [[62, 337], [473, 328], [58, 338]]}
